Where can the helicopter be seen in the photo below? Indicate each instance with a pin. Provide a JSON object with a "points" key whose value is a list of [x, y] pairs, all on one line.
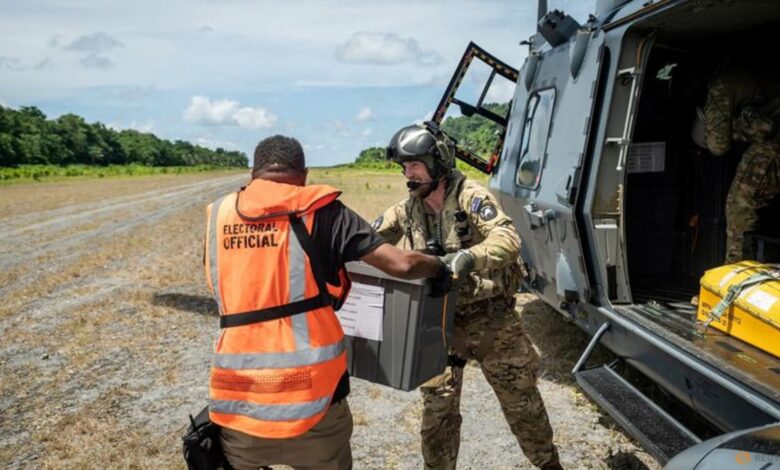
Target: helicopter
{"points": [[620, 213]]}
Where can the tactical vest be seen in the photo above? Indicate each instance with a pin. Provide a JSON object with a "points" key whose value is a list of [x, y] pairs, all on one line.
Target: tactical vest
{"points": [[479, 285], [280, 353]]}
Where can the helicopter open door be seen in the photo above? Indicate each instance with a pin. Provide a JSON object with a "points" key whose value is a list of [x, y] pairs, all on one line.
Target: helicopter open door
{"points": [[550, 139], [499, 71]]}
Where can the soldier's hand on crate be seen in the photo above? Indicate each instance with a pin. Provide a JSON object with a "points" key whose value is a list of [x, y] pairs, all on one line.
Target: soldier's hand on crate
{"points": [[442, 283], [460, 262]]}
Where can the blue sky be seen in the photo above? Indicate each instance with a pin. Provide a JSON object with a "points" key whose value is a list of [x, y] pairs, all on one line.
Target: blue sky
{"points": [[338, 75]]}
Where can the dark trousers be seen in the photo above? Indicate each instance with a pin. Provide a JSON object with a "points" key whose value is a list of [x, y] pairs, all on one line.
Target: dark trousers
{"points": [[323, 447]]}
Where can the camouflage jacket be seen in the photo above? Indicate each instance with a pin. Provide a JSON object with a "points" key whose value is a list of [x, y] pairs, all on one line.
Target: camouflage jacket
{"points": [[741, 106], [487, 232]]}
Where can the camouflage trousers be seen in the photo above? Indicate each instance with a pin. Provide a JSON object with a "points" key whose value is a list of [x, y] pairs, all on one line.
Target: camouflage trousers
{"points": [[756, 182], [510, 364]]}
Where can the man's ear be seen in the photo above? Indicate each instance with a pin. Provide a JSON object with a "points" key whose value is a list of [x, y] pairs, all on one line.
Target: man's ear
{"points": [[305, 176]]}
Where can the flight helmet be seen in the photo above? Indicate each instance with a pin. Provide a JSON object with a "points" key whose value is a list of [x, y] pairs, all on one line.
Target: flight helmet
{"points": [[425, 143]]}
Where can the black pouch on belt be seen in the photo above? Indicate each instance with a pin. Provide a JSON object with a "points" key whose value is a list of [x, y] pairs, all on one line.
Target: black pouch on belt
{"points": [[202, 450], [456, 361]]}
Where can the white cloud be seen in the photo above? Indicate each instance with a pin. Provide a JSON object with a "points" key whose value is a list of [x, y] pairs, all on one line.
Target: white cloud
{"points": [[163, 46], [55, 41], [215, 144], [384, 49], [44, 64], [132, 93], [227, 113], [438, 79], [367, 133], [501, 91], [365, 114], [203, 111], [93, 46], [427, 117], [313, 147], [92, 43], [146, 126], [254, 118], [10, 63], [339, 126], [94, 61]]}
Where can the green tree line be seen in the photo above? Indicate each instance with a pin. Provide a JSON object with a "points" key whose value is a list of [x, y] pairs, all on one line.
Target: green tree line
{"points": [[27, 137], [474, 133]]}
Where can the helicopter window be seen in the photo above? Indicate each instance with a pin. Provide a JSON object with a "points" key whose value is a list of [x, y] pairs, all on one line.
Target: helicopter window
{"points": [[536, 129]]}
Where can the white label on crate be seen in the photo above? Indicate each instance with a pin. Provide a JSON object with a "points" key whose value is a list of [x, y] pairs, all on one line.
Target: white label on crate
{"points": [[646, 157], [762, 300], [363, 310]]}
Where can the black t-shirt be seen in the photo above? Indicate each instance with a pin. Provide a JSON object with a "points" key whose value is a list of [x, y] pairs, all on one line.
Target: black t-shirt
{"points": [[340, 236]]}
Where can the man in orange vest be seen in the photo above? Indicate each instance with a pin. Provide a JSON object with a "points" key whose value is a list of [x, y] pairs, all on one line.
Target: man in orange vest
{"points": [[275, 254]]}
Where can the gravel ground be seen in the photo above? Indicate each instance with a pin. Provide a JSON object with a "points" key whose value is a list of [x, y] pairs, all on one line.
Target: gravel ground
{"points": [[585, 437], [107, 326]]}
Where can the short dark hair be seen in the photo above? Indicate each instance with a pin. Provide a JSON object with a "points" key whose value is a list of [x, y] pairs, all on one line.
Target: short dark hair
{"points": [[279, 153]]}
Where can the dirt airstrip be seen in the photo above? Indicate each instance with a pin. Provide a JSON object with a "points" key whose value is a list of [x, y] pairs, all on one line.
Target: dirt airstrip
{"points": [[106, 326]]}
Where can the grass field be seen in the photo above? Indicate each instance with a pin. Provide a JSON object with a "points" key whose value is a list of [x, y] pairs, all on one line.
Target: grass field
{"points": [[27, 173], [107, 327], [368, 192]]}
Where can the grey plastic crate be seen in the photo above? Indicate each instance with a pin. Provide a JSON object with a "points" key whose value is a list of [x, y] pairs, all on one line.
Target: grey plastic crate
{"points": [[413, 348]]}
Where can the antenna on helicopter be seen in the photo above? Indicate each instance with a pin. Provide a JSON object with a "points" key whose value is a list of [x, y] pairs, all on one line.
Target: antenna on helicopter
{"points": [[541, 12]]}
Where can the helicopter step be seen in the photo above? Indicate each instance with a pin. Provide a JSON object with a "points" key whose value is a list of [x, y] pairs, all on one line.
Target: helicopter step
{"points": [[661, 434], [656, 430]]}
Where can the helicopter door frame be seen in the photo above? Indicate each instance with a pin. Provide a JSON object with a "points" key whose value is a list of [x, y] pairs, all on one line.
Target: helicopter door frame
{"points": [[607, 211], [473, 51]]}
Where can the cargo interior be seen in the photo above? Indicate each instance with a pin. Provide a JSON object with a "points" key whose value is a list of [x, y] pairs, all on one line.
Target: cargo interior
{"points": [[674, 219]]}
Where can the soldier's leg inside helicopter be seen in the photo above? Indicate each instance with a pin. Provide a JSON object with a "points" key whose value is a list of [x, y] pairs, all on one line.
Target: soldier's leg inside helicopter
{"points": [[755, 184]]}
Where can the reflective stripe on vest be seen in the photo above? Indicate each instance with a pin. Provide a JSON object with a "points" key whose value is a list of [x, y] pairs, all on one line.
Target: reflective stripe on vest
{"points": [[297, 264], [212, 241], [270, 412], [275, 378], [279, 360]]}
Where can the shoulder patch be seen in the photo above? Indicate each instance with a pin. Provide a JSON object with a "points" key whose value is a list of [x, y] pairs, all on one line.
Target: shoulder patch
{"points": [[488, 212], [475, 203], [378, 222]]}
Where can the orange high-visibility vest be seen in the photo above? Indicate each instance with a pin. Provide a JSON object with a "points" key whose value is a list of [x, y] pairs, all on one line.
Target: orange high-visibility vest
{"points": [[280, 353]]}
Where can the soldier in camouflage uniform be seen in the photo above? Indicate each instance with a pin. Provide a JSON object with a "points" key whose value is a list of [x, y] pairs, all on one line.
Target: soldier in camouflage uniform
{"points": [[447, 213], [741, 107]]}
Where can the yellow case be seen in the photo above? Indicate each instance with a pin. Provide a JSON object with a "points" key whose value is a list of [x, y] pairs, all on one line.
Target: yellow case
{"points": [[754, 315]]}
